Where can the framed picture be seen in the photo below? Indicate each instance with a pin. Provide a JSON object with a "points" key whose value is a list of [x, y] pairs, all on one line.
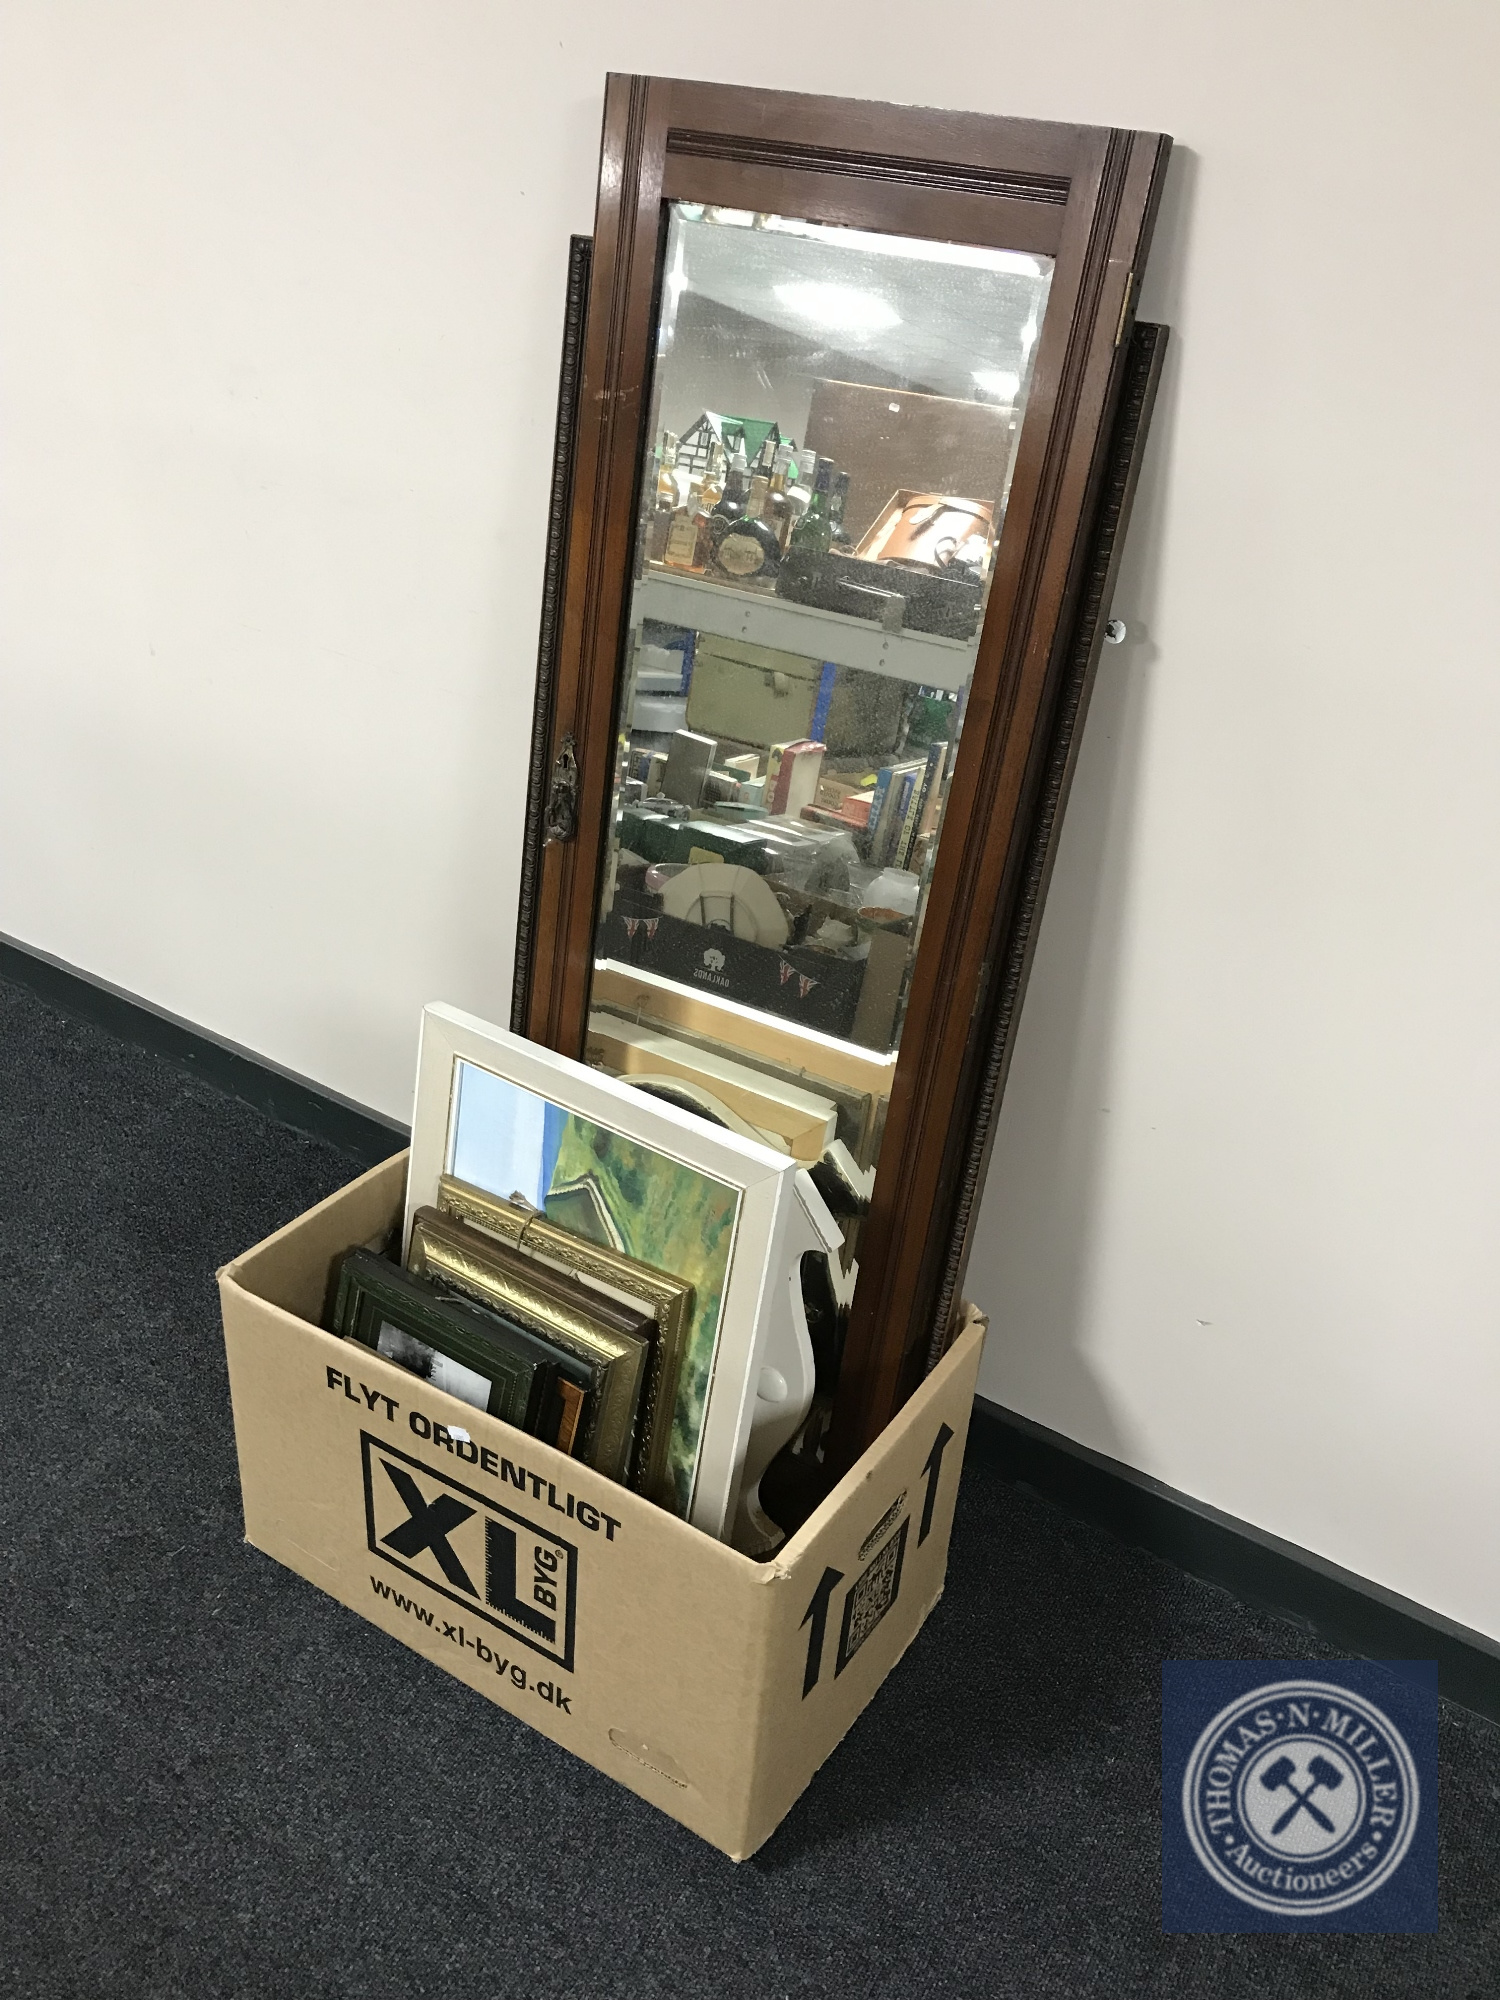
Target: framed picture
{"points": [[489, 1362], [669, 1300], [616, 1346], [629, 1173]]}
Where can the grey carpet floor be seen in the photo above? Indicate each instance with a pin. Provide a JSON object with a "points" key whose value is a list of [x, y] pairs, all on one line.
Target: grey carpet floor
{"points": [[214, 1781]]}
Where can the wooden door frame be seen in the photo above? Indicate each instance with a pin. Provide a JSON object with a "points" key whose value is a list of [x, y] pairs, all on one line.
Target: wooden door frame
{"points": [[1086, 196]]}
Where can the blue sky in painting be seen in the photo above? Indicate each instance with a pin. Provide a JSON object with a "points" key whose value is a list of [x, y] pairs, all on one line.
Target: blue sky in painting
{"points": [[505, 1139]]}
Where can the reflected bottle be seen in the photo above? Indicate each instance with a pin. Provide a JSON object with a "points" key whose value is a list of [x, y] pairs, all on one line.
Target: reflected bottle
{"points": [[665, 504], [799, 492], [775, 509], [743, 548], [736, 496], [813, 534], [838, 502], [710, 495], [760, 489], [689, 539], [680, 550]]}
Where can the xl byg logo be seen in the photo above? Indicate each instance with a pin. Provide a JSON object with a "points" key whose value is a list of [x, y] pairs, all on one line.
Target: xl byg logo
{"points": [[1299, 1797], [498, 1565]]}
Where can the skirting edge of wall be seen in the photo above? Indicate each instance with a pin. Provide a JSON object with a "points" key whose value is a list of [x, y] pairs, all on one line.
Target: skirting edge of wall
{"points": [[1343, 1610], [309, 1107]]}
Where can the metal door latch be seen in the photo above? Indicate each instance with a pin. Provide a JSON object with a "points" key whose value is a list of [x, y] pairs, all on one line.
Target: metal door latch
{"points": [[561, 816]]}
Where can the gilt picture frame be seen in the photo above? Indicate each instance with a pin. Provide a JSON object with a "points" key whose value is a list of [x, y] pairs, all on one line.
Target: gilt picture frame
{"points": [[669, 1299]]}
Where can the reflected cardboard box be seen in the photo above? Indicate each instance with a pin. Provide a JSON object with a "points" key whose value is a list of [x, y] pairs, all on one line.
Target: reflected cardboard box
{"points": [[813, 989]]}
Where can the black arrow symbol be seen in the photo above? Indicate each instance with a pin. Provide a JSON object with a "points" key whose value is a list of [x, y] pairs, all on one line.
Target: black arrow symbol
{"points": [[932, 1468], [816, 1614]]}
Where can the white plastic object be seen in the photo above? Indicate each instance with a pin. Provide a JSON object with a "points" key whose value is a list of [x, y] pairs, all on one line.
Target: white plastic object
{"points": [[722, 897], [892, 889], [658, 670], [787, 1355], [661, 714]]}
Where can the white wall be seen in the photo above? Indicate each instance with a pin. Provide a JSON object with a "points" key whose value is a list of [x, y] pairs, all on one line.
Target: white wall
{"points": [[281, 300]]}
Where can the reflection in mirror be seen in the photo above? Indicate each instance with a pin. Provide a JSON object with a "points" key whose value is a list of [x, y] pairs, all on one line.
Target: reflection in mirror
{"points": [[834, 424]]}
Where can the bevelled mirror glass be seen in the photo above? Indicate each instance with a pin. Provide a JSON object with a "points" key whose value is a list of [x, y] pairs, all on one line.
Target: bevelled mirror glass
{"points": [[833, 423]]}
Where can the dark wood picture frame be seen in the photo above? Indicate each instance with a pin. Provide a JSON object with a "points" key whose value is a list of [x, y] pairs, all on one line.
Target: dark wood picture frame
{"points": [[1086, 197]]}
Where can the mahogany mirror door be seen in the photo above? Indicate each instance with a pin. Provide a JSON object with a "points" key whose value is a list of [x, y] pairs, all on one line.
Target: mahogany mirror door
{"points": [[846, 380]]}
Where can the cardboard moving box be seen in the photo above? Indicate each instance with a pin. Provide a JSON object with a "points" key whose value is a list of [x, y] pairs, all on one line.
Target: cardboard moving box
{"points": [[709, 1684]]}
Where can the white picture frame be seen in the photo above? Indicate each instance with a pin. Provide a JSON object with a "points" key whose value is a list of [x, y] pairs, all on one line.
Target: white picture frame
{"points": [[761, 1376]]}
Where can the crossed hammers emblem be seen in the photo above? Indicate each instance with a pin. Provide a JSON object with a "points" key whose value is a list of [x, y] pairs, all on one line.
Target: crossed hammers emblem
{"points": [[1323, 1776]]}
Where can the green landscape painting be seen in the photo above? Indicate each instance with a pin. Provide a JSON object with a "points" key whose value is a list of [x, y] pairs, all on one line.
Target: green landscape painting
{"points": [[615, 1191], [636, 1200]]}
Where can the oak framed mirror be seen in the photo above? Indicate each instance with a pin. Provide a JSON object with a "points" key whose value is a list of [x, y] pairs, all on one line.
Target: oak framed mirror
{"points": [[852, 403]]}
